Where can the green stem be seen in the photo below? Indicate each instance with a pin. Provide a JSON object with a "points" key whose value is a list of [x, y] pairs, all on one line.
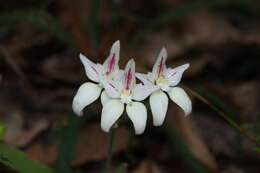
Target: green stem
{"points": [[223, 115], [110, 150]]}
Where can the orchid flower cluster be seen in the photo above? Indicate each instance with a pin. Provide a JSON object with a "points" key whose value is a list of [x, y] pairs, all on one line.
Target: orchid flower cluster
{"points": [[118, 88]]}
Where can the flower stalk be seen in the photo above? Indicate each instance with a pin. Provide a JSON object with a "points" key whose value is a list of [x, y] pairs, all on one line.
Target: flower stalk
{"points": [[110, 150]]}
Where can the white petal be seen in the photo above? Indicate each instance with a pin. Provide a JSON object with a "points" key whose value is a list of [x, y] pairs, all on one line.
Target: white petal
{"points": [[104, 98], [91, 69], [111, 63], [159, 66], [86, 94], [159, 105], [179, 96], [129, 75], [116, 49], [174, 75], [111, 112], [141, 92], [119, 76], [112, 88], [147, 79], [138, 115]]}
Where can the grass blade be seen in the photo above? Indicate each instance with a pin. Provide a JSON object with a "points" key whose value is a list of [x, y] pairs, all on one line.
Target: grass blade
{"points": [[18, 160], [69, 135], [221, 113]]}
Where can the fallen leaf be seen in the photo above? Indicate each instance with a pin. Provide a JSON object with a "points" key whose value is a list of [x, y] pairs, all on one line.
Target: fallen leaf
{"points": [[92, 145]]}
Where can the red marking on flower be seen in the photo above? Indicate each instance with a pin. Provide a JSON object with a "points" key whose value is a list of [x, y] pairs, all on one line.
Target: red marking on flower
{"points": [[161, 67], [128, 79], [112, 85], [173, 74], [93, 68], [111, 64], [149, 80]]}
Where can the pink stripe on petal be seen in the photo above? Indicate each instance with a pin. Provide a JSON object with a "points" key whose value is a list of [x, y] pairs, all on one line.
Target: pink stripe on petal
{"points": [[128, 79], [112, 85], [161, 67], [173, 74], [149, 80], [111, 64], [95, 70]]}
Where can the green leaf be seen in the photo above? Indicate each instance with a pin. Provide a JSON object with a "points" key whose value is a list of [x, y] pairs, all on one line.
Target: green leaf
{"points": [[229, 118], [20, 162], [3, 130], [69, 135], [257, 149]]}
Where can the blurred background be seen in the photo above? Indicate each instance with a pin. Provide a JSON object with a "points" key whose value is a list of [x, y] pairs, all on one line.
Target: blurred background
{"points": [[40, 72]]}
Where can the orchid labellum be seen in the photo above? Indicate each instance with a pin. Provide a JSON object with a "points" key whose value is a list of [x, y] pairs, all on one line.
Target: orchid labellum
{"points": [[165, 79]]}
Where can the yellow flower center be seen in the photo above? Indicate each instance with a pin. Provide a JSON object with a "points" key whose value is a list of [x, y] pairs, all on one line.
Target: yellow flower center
{"points": [[161, 81], [126, 93]]}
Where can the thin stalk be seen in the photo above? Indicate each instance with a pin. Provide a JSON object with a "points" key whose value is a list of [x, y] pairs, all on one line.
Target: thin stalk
{"points": [[110, 150], [223, 115]]}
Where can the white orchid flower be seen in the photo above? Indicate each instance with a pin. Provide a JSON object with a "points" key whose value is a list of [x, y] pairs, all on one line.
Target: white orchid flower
{"points": [[166, 80], [89, 91], [123, 91]]}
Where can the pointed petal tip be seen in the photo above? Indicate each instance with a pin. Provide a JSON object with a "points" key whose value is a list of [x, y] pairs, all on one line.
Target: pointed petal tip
{"points": [[130, 64], [186, 66], [116, 45], [131, 61], [81, 56], [84, 59], [164, 52], [117, 42]]}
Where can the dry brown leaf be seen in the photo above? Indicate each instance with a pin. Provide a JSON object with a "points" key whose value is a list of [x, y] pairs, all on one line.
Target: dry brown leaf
{"points": [[92, 145], [190, 136]]}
